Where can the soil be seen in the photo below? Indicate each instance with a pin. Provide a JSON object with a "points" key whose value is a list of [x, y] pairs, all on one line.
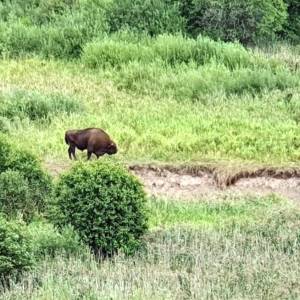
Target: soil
{"points": [[188, 183], [185, 187]]}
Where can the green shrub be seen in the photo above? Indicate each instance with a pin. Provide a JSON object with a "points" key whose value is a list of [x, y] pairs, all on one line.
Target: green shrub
{"points": [[151, 16], [292, 26], [15, 248], [46, 11], [14, 159], [48, 241], [52, 28], [88, 17], [15, 198], [104, 204], [63, 42], [112, 53], [33, 11], [35, 106], [245, 21], [17, 39]]}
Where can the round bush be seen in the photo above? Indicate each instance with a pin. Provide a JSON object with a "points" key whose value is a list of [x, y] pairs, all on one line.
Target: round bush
{"points": [[104, 204], [15, 248], [29, 169]]}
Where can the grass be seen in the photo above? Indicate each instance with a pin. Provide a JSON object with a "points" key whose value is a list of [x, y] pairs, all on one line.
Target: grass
{"points": [[251, 251], [217, 213], [154, 124]]}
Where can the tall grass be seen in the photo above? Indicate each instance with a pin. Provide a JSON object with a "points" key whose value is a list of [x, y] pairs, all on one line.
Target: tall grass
{"points": [[34, 106], [151, 124], [182, 68], [172, 50], [241, 260]]}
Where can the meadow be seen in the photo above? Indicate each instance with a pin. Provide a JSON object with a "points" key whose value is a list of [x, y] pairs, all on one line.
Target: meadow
{"points": [[244, 109], [225, 249], [169, 86]]}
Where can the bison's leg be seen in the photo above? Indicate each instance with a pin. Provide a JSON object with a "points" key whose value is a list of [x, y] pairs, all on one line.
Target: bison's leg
{"points": [[89, 154], [71, 151], [99, 154]]}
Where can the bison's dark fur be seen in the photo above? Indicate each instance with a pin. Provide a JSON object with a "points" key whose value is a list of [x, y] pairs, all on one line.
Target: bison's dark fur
{"points": [[95, 140]]}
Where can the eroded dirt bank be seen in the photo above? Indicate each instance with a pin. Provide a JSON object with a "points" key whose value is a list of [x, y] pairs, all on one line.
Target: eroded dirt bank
{"points": [[197, 182]]}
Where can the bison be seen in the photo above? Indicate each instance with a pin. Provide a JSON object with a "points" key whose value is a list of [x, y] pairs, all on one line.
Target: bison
{"points": [[95, 140]]}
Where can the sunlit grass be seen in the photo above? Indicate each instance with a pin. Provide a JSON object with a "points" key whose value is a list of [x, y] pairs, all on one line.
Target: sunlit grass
{"points": [[261, 128]]}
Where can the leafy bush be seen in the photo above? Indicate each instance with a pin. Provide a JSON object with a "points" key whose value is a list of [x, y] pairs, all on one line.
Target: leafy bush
{"points": [[245, 21], [104, 204], [113, 53], [15, 248], [151, 16], [47, 10], [29, 167], [48, 241], [63, 42], [292, 26], [17, 39], [33, 11], [52, 28], [15, 198], [35, 106]]}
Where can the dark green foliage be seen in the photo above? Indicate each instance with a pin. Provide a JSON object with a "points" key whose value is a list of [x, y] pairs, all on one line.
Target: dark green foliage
{"points": [[292, 26], [34, 11], [35, 106], [29, 167], [15, 248], [150, 16], [61, 29], [245, 21], [104, 204], [15, 197], [63, 42], [52, 28]]}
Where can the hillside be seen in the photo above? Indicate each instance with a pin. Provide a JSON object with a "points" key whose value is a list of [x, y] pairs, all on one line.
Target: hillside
{"points": [[203, 101]]}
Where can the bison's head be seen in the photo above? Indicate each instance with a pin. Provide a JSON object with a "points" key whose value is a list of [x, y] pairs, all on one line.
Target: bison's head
{"points": [[112, 148]]}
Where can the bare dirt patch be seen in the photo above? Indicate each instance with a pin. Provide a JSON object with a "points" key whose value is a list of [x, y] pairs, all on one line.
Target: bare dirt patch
{"points": [[209, 181], [176, 184]]}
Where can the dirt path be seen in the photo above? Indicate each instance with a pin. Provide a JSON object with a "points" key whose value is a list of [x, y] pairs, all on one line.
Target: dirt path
{"points": [[198, 182]]}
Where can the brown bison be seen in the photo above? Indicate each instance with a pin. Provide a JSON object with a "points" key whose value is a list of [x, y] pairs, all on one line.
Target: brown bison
{"points": [[95, 140]]}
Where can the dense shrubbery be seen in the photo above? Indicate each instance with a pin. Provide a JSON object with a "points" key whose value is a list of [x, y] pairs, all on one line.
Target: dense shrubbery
{"points": [[15, 248], [104, 204], [292, 26], [150, 16], [29, 170], [62, 28], [245, 21], [35, 106], [170, 50], [15, 198], [48, 241]]}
